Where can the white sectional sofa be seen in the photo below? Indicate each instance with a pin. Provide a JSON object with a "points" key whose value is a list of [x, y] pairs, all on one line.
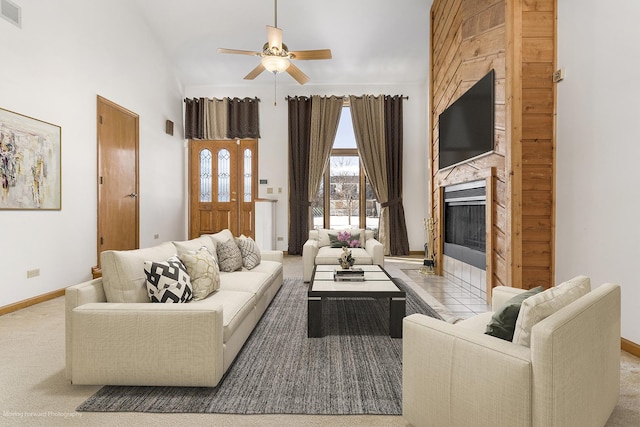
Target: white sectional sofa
{"points": [[317, 250], [116, 336], [561, 369]]}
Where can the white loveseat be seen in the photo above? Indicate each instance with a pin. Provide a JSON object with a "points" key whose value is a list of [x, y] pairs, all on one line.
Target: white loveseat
{"points": [[115, 336], [569, 375], [317, 250]]}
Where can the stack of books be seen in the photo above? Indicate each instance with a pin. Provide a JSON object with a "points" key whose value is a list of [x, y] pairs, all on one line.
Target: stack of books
{"points": [[349, 275]]}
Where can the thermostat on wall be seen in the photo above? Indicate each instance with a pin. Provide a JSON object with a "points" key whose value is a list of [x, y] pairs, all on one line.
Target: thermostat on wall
{"points": [[264, 181]]}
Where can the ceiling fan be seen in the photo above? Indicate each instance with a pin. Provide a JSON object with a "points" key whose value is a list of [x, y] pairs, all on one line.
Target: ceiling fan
{"points": [[276, 56]]}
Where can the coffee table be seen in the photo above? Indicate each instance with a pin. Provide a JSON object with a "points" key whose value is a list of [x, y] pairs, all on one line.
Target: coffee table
{"points": [[377, 284]]}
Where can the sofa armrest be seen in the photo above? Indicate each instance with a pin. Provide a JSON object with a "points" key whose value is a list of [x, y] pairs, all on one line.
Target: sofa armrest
{"points": [[454, 377], [309, 253], [147, 344], [272, 256], [74, 296], [576, 361], [376, 250], [501, 294]]}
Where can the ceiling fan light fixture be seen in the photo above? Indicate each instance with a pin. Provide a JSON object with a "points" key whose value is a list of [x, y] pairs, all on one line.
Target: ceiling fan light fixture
{"points": [[275, 64]]}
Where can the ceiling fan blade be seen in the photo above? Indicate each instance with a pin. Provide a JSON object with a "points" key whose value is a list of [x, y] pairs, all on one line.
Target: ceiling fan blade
{"points": [[255, 72], [274, 37], [297, 74], [238, 52], [311, 54]]}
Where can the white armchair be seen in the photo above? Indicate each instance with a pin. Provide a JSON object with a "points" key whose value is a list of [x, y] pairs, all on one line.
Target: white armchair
{"points": [[318, 250], [455, 375]]}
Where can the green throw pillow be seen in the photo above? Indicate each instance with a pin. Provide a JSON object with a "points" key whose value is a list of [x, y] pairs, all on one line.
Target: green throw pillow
{"points": [[503, 321]]}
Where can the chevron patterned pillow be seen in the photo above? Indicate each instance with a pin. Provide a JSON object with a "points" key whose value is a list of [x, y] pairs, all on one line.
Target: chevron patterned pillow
{"points": [[168, 281]]}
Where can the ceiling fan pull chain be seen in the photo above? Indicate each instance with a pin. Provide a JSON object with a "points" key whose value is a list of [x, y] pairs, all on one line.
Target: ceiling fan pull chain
{"points": [[275, 89]]}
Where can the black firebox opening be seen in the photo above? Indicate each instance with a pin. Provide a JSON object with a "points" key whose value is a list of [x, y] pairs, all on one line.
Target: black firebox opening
{"points": [[465, 223]]}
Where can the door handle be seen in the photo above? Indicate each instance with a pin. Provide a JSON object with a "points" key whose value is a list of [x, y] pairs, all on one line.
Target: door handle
{"points": [[133, 195]]}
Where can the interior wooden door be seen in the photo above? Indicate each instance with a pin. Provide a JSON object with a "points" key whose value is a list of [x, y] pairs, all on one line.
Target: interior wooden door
{"points": [[118, 206], [222, 186]]}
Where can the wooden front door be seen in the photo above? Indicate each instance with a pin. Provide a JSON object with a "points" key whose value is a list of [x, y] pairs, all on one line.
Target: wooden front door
{"points": [[118, 207], [222, 186]]}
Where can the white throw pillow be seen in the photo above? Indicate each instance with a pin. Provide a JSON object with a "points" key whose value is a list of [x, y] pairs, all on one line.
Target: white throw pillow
{"points": [[542, 305], [250, 252], [203, 270], [168, 281]]}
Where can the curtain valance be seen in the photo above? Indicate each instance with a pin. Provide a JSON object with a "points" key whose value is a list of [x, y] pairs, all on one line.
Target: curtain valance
{"points": [[226, 118]]}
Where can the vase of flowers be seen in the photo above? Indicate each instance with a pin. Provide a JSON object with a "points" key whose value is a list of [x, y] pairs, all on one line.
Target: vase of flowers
{"points": [[346, 259]]}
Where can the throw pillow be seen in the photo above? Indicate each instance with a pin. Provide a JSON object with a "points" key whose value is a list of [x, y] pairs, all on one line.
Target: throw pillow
{"points": [[344, 238], [229, 256], [503, 321], [250, 252], [203, 271], [543, 305], [168, 281]]}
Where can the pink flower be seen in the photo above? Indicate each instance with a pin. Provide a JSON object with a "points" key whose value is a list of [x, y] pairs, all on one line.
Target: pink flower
{"points": [[354, 243], [344, 236]]}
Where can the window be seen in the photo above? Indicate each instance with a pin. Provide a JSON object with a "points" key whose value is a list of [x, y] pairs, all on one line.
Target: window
{"points": [[344, 204]]}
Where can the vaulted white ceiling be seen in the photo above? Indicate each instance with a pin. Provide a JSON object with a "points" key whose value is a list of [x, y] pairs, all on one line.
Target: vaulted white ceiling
{"points": [[372, 41]]}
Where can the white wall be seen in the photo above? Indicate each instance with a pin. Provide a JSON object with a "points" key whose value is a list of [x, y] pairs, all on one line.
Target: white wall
{"points": [[66, 53], [273, 144], [598, 148]]}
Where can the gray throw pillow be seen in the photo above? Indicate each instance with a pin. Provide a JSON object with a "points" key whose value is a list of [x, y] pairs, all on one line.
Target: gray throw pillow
{"points": [[229, 256], [503, 321], [251, 256]]}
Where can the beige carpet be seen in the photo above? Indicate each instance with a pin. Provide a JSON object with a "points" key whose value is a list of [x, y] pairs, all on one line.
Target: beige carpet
{"points": [[34, 391]]}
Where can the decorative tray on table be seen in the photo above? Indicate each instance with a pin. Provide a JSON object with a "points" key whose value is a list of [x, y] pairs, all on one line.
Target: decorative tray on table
{"points": [[349, 275]]}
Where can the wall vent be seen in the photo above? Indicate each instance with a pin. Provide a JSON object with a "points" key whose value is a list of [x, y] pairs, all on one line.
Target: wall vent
{"points": [[11, 12]]}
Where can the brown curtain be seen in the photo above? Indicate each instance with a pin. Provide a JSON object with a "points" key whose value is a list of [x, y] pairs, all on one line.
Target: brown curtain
{"points": [[393, 136], [367, 114], [325, 116], [243, 118], [193, 118], [299, 146]]}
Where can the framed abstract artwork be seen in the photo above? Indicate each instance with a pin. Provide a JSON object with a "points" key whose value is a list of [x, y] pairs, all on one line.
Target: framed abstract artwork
{"points": [[30, 163]]}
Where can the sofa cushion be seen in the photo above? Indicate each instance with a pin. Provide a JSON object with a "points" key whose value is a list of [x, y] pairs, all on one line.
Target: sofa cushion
{"points": [[329, 255], [203, 270], [236, 306], [272, 268], [221, 236], [123, 274], [168, 281], [544, 304], [196, 244], [246, 281], [503, 321], [250, 252], [229, 256]]}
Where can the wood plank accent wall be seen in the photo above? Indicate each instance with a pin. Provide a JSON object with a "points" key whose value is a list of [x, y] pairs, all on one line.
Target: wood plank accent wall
{"points": [[517, 39]]}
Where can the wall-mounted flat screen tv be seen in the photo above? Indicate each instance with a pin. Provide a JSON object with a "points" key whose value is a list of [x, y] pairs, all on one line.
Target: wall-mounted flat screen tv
{"points": [[466, 127]]}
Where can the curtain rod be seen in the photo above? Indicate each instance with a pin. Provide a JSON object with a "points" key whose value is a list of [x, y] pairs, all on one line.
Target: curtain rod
{"points": [[347, 97], [221, 99]]}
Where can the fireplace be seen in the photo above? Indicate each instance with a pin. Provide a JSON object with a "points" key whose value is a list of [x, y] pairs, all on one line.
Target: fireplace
{"points": [[465, 223]]}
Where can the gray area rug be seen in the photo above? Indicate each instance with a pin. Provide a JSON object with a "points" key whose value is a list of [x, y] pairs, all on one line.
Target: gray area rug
{"points": [[356, 368]]}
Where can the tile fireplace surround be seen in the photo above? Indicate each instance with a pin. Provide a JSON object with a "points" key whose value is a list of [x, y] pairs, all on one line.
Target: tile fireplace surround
{"points": [[472, 279]]}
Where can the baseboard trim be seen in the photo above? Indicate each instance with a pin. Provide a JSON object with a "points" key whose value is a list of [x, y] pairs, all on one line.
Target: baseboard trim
{"points": [[630, 347], [31, 301]]}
